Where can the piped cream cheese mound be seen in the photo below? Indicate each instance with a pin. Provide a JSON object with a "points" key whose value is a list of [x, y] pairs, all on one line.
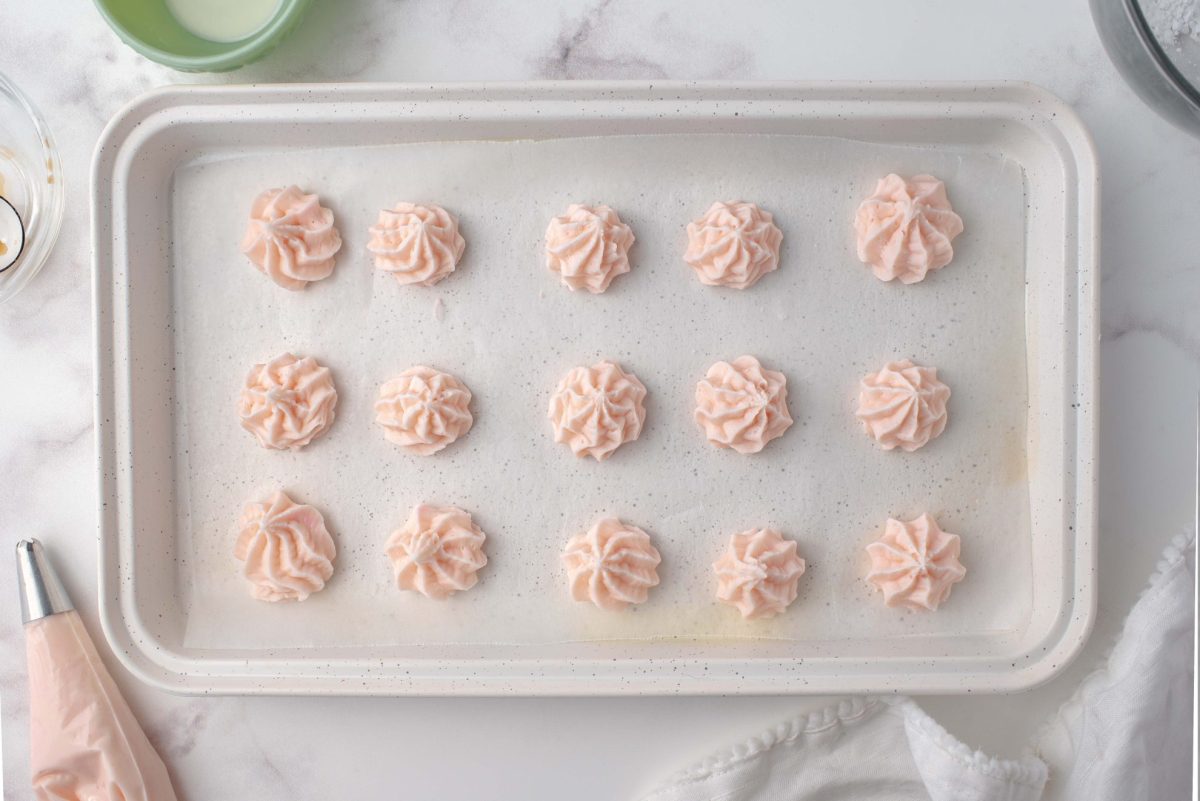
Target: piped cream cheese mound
{"points": [[416, 244], [423, 410], [287, 402], [596, 409], [588, 247], [905, 228], [741, 405], [758, 573], [903, 405], [915, 564], [733, 245], [612, 565], [437, 552], [286, 550], [291, 237]]}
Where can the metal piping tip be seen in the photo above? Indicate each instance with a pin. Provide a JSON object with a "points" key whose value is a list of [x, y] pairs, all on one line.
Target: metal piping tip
{"points": [[42, 593]]}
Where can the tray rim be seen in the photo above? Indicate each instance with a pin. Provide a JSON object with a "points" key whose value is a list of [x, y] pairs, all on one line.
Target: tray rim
{"points": [[1039, 106]]}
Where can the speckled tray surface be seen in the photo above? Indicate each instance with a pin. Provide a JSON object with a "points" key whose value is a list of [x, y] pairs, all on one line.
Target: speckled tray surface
{"points": [[182, 315]]}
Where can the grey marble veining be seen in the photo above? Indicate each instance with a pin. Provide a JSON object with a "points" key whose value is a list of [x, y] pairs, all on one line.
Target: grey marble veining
{"points": [[272, 748]]}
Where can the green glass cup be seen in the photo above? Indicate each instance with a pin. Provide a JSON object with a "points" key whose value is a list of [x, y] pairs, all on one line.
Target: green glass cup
{"points": [[149, 28]]}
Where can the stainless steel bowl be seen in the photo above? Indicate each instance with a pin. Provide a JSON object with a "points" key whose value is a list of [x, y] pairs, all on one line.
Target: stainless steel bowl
{"points": [[1162, 65]]}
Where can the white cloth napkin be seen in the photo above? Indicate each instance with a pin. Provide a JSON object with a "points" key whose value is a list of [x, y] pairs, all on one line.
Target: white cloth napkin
{"points": [[1127, 732], [1126, 735]]}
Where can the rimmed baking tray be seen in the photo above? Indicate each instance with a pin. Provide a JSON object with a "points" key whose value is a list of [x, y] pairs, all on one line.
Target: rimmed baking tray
{"points": [[180, 316]]}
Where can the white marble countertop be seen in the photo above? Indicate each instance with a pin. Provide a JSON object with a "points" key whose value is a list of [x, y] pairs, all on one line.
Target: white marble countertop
{"points": [[299, 748]]}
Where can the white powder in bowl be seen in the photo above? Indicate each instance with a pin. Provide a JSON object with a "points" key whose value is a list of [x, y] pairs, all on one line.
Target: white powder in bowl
{"points": [[1177, 19]]}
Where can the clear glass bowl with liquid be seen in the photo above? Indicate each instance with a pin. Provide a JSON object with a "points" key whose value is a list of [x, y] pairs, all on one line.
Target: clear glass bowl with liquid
{"points": [[31, 185]]}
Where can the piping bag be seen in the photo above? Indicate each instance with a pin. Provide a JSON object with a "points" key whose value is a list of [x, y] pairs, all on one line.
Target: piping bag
{"points": [[85, 744]]}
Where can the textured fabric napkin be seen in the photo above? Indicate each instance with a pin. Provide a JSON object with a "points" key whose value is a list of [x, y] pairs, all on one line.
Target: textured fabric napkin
{"points": [[1127, 732], [1125, 735]]}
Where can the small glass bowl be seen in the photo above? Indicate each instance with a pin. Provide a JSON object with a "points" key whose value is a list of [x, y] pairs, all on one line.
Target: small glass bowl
{"points": [[31, 182]]}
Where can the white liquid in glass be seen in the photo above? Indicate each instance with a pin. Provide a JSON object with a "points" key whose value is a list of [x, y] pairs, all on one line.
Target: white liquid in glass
{"points": [[223, 20]]}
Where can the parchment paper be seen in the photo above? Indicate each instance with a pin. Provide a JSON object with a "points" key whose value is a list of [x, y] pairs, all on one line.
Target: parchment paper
{"points": [[505, 325]]}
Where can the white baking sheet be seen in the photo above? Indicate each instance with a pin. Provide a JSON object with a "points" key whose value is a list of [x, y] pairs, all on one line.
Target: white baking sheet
{"points": [[505, 325]]}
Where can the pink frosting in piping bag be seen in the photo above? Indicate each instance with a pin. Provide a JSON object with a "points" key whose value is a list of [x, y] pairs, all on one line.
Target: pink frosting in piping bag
{"points": [[85, 744]]}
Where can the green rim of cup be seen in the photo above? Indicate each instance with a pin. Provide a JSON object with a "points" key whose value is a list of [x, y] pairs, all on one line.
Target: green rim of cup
{"points": [[148, 27]]}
